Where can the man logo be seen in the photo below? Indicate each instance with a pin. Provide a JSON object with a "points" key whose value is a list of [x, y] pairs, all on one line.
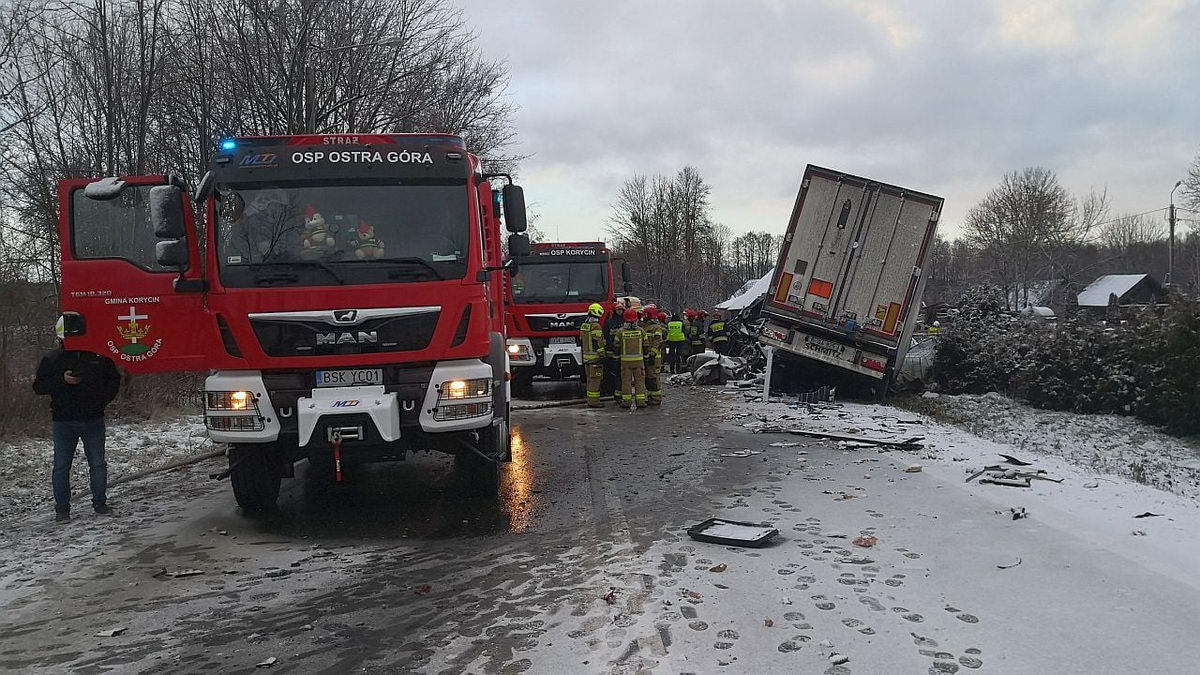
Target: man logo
{"points": [[361, 338], [345, 315]]}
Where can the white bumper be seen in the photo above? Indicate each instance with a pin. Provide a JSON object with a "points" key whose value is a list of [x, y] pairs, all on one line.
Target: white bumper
{"points": [[383, 409]]}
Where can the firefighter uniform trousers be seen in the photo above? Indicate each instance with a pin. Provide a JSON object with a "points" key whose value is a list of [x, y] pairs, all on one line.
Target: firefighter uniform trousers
{"points": [[591, 343], [676, 344], [633, 366], [719, 337], [654, 362]]}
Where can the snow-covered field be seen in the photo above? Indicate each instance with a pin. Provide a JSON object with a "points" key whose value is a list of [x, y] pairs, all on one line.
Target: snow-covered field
{"points": [[1106, 444], [129, 448]]}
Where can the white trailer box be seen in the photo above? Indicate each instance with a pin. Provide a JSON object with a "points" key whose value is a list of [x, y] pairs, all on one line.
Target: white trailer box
{"points": [[847, 287]]}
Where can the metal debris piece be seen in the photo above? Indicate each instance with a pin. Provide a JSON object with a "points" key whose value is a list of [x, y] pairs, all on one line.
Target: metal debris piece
{"points": [[865, 542], [913, 468], [186, 573], [1018, 512], [111, 632], [1148, 515], [718, 568], [1013, 460], [1009, 567], [267, 663], [913, 443]]}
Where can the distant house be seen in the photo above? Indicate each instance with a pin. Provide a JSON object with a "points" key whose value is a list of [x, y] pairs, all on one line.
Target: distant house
{"points": [[1122, 290]]}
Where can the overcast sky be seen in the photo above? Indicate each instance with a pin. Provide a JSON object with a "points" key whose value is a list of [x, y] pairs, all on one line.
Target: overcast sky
{"points": [[943, 97]]}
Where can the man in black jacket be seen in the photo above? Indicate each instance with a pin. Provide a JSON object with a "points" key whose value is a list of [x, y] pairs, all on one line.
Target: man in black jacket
{"points": [[80, 385]]}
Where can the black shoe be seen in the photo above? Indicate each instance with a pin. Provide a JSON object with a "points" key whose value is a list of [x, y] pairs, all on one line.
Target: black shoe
{"points": [[62, 516], [102, 509]]}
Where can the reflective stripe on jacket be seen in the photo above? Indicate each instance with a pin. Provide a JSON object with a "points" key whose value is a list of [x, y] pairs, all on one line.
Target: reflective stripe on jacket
{"points": [[591, 340], [631, 339], [717, 331]]}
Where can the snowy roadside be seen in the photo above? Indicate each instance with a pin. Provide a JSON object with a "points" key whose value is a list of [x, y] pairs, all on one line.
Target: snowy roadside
{"points": [[129, 448], [1107, 444], [1080, 450]]}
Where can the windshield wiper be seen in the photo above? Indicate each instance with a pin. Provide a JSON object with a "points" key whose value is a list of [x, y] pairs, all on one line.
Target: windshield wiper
{"points": [[411, 261], [301, 263]]}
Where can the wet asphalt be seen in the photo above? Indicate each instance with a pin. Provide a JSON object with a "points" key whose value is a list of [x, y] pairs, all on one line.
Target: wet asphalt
{"points": [[398, 569]]}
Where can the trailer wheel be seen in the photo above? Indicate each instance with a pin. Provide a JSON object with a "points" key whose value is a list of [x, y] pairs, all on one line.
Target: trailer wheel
{"points": [[255, 482]]}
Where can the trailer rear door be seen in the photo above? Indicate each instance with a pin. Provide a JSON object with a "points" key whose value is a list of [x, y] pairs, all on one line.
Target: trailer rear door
{"points": [[853, 255]]}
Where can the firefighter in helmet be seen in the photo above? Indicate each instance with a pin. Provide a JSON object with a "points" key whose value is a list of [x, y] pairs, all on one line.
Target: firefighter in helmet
{"points": [[591, 343], [696, 332], [655, 343], [631, 339], [718, 334]]}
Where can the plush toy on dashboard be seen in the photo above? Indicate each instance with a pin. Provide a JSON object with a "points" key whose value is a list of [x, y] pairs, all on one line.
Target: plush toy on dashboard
{"points": [[316, 230], [367, 246]]}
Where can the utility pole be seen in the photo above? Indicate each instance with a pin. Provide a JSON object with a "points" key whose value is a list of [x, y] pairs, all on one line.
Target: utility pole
{"points": [[1170, 280]]}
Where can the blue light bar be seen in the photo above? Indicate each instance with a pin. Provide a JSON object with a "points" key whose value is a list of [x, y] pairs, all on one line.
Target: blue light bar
{"points": [[228, 144]]}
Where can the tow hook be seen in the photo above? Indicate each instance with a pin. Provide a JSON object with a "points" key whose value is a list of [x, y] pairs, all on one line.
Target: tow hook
{"points": [[222, 475]]}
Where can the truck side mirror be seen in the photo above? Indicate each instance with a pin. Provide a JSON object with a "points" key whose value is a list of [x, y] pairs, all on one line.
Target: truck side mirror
{"points": [[205, 188], [172, 253], [73, 324], [166, 212], [104, 189], [518, 246], [514, 208]]}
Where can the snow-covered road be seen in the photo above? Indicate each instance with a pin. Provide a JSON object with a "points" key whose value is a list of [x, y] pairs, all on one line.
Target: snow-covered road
{"points": [[583, 564]]}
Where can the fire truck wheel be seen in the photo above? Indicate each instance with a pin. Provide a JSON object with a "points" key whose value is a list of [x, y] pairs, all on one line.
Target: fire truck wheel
{"points": [[522, 382], [255, 483], [482, 476]]}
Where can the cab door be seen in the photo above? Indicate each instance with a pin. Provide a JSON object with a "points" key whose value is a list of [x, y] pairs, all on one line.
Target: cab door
{"points": [[117, 298]]}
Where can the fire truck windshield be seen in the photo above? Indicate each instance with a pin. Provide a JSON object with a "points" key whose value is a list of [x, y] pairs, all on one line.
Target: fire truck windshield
{"points": [[320, 235], [560, 282]]}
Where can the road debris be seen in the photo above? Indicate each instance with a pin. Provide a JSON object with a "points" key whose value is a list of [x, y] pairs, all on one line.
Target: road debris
{"points": [[610, 597], [1009, 567], [912, 468], [913, 443], [838, 659], [999, 474], [1018, 512], [1148, 515], [423, 590], [111, 632], [1138, 533], [1013, 460], [718, 568], [768, 623], [732, 533], [180, 574], [865, 541], [267, 662], [742, 453], [668, 472]]}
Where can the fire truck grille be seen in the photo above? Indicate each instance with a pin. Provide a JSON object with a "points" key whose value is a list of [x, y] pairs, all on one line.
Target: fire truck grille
{"points": [[317, 338], [553, 323]]}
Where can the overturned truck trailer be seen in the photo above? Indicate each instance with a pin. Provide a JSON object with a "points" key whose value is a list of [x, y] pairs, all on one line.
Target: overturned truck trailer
{"points": [[850, 275]]}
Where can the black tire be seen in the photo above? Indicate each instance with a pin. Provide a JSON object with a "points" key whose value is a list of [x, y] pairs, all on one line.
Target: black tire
{"points": [[479, 475], [522, 382], [255, 482]]}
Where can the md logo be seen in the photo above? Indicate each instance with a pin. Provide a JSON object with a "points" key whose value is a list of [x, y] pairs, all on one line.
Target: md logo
{"points": [[344, 404]]}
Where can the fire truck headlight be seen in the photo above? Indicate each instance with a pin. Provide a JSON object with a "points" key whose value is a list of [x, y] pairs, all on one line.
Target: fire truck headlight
{"points": [[230, 400], [455, 390]]}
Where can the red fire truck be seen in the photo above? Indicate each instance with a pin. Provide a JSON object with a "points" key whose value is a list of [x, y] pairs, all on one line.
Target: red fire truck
{"points": [[548, 298], [345, 294]]}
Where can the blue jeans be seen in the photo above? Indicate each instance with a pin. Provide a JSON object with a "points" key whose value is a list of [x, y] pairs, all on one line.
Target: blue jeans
{"points": [[67, 435]]}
